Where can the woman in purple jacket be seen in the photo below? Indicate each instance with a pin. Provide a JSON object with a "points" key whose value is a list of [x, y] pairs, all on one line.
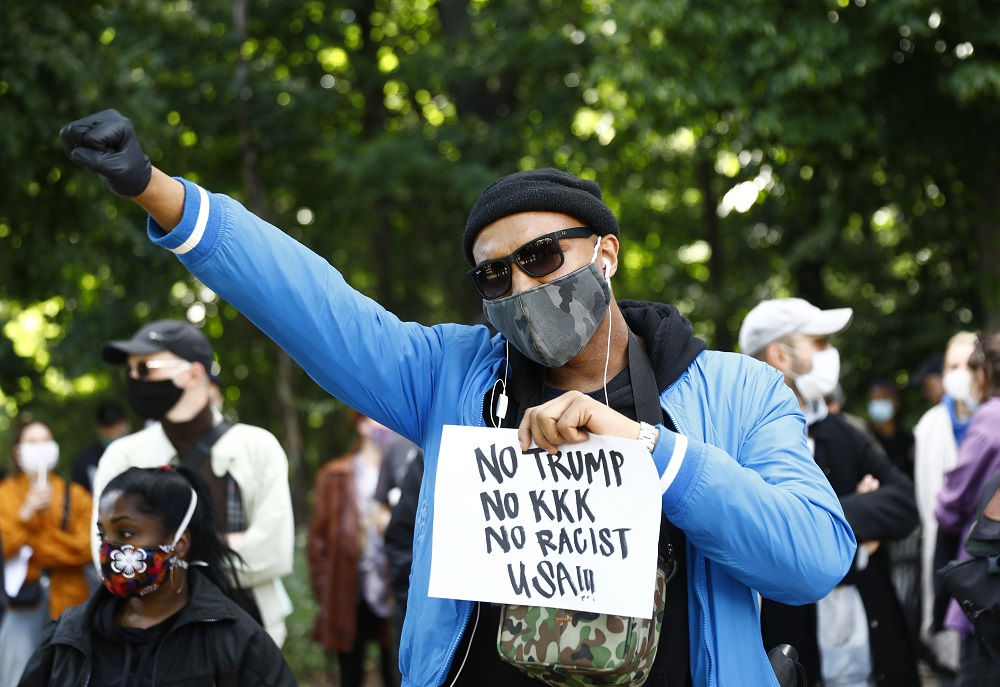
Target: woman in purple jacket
{"points": [[978, 459]]}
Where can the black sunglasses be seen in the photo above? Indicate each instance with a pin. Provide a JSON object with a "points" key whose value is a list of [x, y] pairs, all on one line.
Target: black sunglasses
{"points": [[537, 258]]}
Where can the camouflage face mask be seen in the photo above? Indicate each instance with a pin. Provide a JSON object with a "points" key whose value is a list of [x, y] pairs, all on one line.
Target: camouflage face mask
{"points": [[551, 323]]}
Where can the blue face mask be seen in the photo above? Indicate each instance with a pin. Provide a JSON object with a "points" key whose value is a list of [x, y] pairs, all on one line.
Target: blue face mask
{"points": [[881, 410]]}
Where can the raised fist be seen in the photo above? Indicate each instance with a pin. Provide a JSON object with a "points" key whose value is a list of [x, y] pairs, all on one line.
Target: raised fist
{"points": [[105, 143]]}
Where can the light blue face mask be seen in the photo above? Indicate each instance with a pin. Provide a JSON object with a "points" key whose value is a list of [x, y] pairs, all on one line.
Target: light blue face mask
{"points": [[551, 323], [881, 410]]}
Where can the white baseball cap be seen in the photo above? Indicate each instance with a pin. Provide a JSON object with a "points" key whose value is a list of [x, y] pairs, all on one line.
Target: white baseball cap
{"points": [[771, 320]]}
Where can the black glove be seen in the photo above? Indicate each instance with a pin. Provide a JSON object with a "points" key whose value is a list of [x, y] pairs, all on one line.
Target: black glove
{"points": [[105, 143]]}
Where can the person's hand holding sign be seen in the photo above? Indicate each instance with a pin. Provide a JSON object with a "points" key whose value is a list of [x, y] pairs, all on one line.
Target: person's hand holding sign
{"points": [[570, 419]]}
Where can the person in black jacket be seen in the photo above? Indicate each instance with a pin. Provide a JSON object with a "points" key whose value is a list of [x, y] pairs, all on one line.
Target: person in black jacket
{"points": [[399, 539], [168, 612], [857, 635]]}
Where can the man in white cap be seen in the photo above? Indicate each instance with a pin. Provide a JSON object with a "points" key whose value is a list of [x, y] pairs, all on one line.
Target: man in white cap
{"points": [[857, 635]]}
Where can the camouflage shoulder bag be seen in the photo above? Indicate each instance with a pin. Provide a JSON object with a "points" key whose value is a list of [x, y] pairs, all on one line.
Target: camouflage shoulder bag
{"points": [[565, 648]]}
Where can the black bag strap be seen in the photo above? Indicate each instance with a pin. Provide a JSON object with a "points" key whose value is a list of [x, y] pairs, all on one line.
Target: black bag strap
{"points": [[644, 391], [647, 409], [528, 380], [203, 449]]}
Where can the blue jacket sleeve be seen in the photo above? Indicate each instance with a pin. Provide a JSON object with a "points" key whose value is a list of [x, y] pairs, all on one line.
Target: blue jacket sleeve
{"points": [[752, 498], [349, 344]]}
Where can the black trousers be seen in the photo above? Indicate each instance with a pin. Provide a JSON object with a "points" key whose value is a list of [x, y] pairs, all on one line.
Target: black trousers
{"points": [[371, 628]]}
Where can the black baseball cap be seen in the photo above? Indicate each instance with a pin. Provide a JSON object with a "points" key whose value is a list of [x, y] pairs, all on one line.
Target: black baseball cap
{"points": [[181, 338]]}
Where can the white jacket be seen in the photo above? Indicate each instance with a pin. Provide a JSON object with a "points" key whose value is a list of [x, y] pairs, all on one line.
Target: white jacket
{"points": [[935, 453], [258, 464]]}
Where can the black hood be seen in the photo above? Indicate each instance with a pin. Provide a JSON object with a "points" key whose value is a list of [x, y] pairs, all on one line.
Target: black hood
{"points": [[670, 343]]}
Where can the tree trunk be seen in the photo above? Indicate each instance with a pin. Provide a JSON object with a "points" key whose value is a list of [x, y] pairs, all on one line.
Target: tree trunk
{"points": [[716, 261], [988, 242], [256, 201]]}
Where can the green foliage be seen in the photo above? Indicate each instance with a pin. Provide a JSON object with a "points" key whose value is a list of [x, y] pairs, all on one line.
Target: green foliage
{"points": [[306, 657], [834, 150], [829, 153]]}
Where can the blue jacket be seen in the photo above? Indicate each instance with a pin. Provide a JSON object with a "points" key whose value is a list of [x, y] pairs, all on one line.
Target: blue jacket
{"points": [[759, 516]]}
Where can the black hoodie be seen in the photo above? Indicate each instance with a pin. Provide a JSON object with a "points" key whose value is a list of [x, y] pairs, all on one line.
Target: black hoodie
{"points": [[670, 344], [211, 641], [671, 347]]}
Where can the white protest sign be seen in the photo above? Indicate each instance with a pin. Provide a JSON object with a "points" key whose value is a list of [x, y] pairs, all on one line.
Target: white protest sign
{"points": [[577, 529]]}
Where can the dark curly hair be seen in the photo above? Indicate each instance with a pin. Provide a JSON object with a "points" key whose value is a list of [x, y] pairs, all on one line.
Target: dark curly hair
{"points": [[986, 357], [164, 494]]}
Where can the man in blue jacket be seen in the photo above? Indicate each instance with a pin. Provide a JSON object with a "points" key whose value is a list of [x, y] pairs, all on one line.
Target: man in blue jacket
{"points": [[747, 509]]}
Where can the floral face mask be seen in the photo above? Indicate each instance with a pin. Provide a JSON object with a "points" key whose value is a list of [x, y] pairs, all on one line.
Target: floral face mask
{"points": [[130, 571]]}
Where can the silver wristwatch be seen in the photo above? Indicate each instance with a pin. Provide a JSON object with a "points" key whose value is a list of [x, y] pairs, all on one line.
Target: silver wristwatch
{"points": [[647, 435]]}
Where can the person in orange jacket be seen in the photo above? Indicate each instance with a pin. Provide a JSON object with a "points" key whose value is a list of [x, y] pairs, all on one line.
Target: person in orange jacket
{"points": [[45, 522]]}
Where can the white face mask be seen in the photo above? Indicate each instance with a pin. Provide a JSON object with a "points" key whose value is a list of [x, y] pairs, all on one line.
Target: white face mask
{"points": [[37, 458], [958, 385], [822, 379]]}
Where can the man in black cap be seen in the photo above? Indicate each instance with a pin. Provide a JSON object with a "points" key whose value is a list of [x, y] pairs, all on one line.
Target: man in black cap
{"points": [[744, 506], [112, 423], [168, 365]]}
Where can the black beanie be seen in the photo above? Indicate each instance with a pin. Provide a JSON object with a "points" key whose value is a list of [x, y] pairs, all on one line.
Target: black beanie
{"points": [[539, 190]]}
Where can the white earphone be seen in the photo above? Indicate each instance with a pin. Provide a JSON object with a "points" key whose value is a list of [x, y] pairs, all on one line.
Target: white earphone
{"points": [[607, 269], [501, 408]]}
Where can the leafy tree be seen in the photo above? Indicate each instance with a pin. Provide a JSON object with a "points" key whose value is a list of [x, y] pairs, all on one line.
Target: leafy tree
{"points": [[830, 150], [823, 152]]}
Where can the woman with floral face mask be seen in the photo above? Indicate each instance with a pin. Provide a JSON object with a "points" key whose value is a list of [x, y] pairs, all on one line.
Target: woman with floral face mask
{"points": [[169, 610], [978, 459], [44, 520]]}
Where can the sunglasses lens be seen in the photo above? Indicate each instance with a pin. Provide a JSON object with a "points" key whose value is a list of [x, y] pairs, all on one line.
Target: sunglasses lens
{"points": [[493, 279], [540, 257]]}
